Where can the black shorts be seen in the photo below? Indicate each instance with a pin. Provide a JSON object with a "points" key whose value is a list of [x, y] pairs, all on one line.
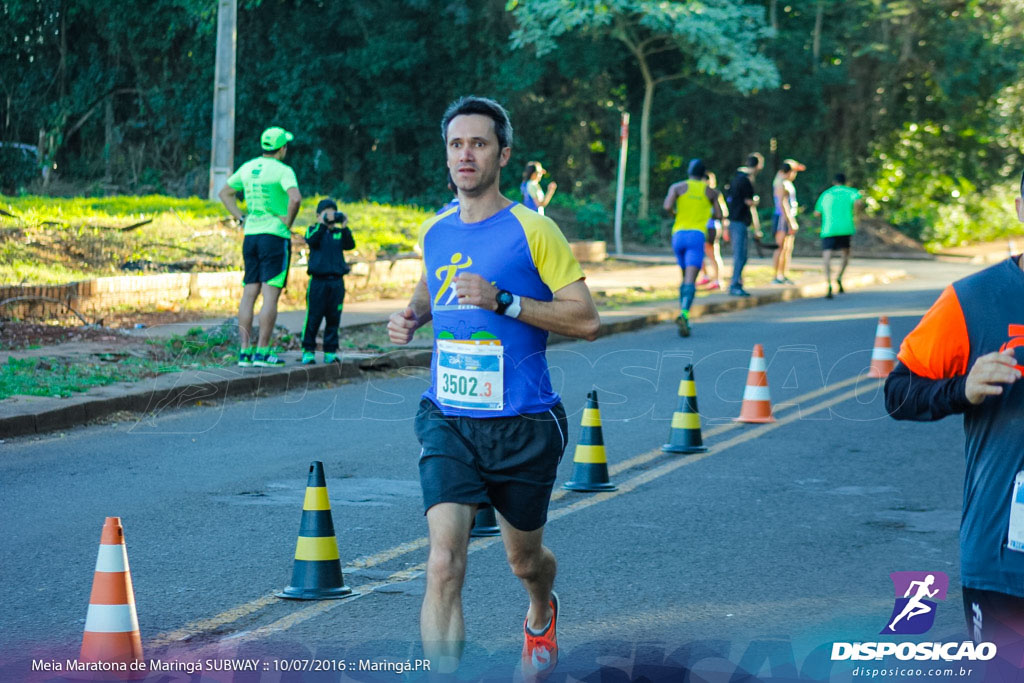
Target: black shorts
{"points": [[835, 242], [996, 618], [507, 462], [266, 259]]}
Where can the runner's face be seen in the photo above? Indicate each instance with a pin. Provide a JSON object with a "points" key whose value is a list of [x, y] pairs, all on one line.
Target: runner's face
{"points": [[475, 158]]}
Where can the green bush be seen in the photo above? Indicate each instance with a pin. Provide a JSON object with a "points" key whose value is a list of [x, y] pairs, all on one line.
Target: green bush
{"points": [[926, 185]]}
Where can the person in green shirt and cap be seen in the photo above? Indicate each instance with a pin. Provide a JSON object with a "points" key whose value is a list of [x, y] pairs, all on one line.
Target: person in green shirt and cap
{"points": [[836, 207], [272, 198]]}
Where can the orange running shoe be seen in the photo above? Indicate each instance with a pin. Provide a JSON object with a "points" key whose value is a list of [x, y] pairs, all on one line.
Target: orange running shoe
{"points": [[540, 653]]}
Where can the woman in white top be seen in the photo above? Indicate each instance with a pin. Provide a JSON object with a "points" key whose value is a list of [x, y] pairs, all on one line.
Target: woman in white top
{"points": [[534, 197]]}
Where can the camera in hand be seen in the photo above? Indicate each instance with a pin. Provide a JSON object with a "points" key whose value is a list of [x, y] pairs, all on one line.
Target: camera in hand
{"points": [[339, 217]]}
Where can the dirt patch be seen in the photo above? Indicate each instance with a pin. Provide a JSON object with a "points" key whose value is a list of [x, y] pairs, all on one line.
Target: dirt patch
{"points": [[874, 237], [15, 336]]}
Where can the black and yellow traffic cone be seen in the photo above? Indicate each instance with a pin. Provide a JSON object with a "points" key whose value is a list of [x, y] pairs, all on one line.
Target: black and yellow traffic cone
{"points": [[684, 436], [590, 465], [485, 523], [317, 571]]}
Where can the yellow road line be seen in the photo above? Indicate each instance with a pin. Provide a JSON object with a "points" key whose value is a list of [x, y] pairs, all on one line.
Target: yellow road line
{"points": [[629, 485]]}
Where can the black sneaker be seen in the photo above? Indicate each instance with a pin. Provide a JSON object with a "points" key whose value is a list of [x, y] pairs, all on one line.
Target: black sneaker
{"points": [[839, 284], [683, 323], [738, 291]]}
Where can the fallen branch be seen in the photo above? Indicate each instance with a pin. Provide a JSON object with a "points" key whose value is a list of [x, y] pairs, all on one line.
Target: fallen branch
{"points": [[185, 249]]}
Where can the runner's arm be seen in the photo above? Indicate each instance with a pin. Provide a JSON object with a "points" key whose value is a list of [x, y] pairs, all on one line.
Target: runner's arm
{"points": [[571, 312], [670, 199], [229, 198], [913, 397], [552, 186], [403, 324]]}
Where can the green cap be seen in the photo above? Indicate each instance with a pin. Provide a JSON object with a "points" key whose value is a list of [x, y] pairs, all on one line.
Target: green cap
{"points": [[275, 138]]}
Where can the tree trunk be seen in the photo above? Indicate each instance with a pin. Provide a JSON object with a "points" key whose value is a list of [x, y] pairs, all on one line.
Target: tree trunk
{"points": [[645, 145], [108, 144], [816, 43]]}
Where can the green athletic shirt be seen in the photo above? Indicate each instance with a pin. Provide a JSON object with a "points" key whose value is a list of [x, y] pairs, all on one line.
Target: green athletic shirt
{"points": [[266, 182], [836, 208]]}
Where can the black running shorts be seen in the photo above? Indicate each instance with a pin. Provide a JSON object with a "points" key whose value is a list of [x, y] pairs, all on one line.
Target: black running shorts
{"points": [[507, 462], [266, 259], [835, 242]]}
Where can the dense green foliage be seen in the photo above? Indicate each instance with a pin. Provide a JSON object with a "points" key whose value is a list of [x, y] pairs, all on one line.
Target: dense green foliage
{"points": [[46, 240], [912, 99]]}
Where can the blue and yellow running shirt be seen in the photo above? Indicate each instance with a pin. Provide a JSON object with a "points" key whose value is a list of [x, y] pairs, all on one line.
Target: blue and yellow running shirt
{"points": [[485, 364]]}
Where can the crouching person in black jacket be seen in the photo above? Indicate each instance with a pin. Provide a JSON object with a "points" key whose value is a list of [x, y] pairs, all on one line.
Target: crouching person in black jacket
{"points": [[327, 242]]}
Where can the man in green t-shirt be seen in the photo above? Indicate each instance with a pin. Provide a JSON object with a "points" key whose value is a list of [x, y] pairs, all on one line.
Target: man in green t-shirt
{"points": [[836, 207], [272, 198]]}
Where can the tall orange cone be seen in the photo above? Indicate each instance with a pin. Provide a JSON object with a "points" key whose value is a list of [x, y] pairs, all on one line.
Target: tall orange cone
{"points": [[882, 356], [316, 574], [757, 403], [485, 523], [111, 624], [590, 464], [684, 437]]}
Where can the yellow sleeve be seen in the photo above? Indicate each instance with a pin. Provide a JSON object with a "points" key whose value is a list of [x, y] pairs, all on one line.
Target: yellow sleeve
{"points": [[429, 223], [550, 250]]}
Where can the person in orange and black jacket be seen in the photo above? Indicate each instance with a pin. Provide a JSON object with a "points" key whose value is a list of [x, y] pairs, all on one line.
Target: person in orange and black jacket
{"points": [[966, 356], [328, 240]]}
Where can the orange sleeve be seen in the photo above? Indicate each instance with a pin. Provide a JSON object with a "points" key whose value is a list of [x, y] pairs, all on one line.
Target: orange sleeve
{"points": [[938, 348]]}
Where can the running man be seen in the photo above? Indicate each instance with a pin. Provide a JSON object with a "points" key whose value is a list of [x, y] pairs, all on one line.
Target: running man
{"points": [[690, 201], [784, 223], [966, 356], [498, 277], [914, 606], [272, 198], [836, 207]]}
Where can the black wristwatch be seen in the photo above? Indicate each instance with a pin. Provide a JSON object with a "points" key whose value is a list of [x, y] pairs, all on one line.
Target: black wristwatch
{"points": [[504, 299]]}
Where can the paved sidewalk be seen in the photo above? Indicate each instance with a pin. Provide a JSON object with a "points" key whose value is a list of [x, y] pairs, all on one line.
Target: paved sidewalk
{"points": [[21, 415]]}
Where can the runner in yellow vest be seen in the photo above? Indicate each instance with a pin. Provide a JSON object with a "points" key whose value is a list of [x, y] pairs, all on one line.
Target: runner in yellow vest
{"points": [[690, 200]]}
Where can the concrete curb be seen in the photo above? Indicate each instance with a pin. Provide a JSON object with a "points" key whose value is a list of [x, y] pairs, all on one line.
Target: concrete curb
{"points": [[23, 415]]}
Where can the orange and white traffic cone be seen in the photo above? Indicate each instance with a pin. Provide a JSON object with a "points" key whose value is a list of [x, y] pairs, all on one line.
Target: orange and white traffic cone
{"points": [[757, 403], [111, 624], [883, 359]]}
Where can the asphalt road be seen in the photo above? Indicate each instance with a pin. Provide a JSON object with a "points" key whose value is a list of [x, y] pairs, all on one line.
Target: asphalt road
{"points": [[753, 557]]}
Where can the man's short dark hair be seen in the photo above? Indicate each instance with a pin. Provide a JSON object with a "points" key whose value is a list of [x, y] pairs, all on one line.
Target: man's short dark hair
{"points": [[840, 179], [785, 168], [485, 107], [754, 159]]}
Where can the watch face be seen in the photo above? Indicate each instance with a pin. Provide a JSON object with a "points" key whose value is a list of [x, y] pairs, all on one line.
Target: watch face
{"points": [[504, 298]]}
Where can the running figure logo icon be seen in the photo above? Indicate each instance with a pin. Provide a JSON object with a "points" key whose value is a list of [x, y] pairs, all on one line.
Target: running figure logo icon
{"points": [[914, 611]]}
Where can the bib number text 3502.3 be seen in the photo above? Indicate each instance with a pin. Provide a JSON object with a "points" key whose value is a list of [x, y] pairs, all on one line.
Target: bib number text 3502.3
{"points": [[465, 386]]}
